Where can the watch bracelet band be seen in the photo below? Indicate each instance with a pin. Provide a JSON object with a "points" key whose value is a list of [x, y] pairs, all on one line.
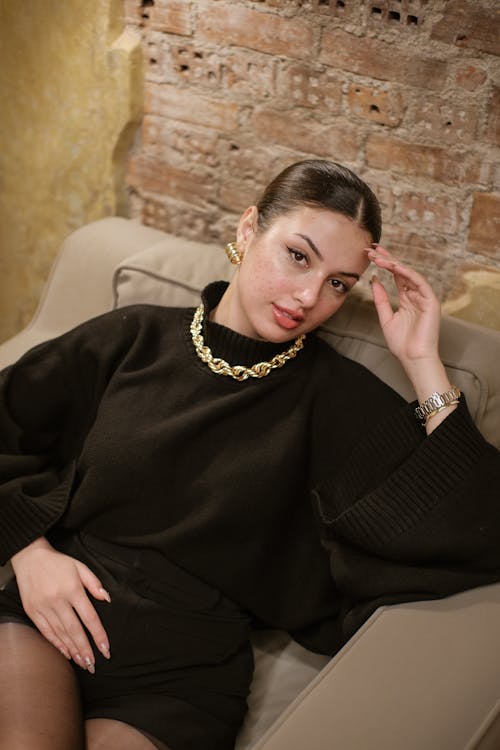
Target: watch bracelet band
{"points": [[437, 401]]}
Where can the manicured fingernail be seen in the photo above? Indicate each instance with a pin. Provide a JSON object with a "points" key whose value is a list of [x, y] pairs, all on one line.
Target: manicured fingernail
{"points": [[105, 651], [65, 653], [78, 658], [89, 665], [105, 594]]}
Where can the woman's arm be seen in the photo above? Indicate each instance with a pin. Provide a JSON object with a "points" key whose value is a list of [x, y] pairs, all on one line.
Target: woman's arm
{"points": [[48, 401], [406, 518]]}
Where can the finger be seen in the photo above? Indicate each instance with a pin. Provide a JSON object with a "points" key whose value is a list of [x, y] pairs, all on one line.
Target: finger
{"points": [[379, 249], [92, 582], [384, 259], [87, 612], [89, 617], [49, 623], [69, 628], [381, 300], [48, 633], [407, 278]]}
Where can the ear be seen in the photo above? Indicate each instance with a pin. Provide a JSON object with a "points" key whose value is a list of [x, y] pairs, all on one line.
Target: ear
{"points": [[247, 227]]}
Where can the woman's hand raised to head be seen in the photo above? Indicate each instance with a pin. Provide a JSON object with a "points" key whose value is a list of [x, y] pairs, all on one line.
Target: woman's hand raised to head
{"points": [[53, 589], [412, 330]]}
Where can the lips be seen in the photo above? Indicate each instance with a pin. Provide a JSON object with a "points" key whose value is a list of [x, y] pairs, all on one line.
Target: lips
{"points": [[285, 318]]}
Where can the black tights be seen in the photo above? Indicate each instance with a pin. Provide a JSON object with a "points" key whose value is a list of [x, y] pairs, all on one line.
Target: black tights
{"points": [[40, 705]]}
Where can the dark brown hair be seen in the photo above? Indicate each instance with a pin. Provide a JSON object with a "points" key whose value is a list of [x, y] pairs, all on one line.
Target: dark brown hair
{"points": [[321, 184]]}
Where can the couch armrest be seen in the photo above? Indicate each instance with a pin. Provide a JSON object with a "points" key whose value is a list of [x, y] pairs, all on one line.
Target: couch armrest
{"points": [[420, 675], [79, 285]]}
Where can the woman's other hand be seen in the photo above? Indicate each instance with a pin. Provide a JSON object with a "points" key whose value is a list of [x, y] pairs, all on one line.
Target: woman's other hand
{"points": [[412, 330], [53, 589]]}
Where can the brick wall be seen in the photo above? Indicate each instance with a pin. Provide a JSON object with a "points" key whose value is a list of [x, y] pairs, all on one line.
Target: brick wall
{"points": [[406, 92]]}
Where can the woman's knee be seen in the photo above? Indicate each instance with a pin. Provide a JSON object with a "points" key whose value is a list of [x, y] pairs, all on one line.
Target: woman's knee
{"points": [[108, 734]]}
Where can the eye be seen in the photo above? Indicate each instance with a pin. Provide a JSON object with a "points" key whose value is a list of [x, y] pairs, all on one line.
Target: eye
{"points": [[339, 286], [297, 256]]}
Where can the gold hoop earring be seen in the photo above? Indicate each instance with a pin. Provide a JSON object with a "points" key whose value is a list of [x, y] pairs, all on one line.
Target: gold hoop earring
{"points": [[233, 253]]}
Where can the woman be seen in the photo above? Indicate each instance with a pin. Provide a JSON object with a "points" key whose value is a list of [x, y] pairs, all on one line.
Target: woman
{"points": [[158, 467]]}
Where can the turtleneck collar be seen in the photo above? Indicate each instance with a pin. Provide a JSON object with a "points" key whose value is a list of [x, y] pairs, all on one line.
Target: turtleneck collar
{"points": [[230, 345]]}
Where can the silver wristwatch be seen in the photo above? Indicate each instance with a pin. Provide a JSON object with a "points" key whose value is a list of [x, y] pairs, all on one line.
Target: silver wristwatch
{"points": [[437, 401]]}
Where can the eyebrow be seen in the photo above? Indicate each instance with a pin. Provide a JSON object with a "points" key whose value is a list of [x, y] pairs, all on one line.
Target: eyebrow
{"points": [[316, 251]]}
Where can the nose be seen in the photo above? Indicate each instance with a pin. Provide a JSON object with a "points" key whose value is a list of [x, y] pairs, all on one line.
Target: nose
{"points": [[307, 293]]}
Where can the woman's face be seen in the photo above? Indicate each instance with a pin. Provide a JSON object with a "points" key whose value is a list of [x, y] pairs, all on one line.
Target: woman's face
{"points": [[294, 275]]}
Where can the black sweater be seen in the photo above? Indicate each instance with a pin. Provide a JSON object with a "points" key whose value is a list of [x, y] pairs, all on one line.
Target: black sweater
{"points": [[118, 429]]}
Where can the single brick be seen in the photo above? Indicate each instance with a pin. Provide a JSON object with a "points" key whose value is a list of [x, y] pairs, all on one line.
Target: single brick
{"points": [[436, 212], [466, 24], [170, 16], [493, 125], [379, 59], [439, 120], [178, 142], [184, 104], [339, 141], [234, 24], [176, 217], [154, 176], [193, 65], [431, 162], [250, 161], [376, 104], [484, 227], [306, 86], [246, 74]]}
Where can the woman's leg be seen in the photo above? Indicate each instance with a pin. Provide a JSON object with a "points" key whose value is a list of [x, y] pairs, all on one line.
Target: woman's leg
{"points": [[39, 697], [108, 734]]}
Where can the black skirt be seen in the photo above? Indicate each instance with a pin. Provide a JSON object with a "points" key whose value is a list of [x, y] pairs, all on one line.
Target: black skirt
{"points": [[181, 662]]}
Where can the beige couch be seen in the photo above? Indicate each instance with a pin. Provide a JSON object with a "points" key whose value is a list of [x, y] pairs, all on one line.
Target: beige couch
{"points": [[421, 676]]}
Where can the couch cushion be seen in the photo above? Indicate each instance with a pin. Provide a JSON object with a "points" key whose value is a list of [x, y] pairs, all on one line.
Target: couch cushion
{"points": [[174, 271], [171, 273]]}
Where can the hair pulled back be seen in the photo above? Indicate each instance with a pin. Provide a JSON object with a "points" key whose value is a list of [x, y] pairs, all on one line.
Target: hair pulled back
{"points": [[321, 184]]}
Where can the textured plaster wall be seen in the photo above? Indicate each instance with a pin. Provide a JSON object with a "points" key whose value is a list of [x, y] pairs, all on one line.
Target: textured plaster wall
{"points": [[70, 101]]}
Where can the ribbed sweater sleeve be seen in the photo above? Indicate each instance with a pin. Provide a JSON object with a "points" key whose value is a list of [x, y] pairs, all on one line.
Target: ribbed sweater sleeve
{"points": [[47, 404], [408, 513], [428, 472], [405, 517]]}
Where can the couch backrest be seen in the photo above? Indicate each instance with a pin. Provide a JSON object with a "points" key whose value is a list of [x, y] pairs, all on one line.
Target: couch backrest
{"points": [[174, 271]]}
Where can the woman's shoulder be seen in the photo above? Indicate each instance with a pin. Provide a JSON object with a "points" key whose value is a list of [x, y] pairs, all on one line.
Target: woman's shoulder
{"points": [[129, 320], [142, 312], [349, 377], [110, 333], [332, 363]]}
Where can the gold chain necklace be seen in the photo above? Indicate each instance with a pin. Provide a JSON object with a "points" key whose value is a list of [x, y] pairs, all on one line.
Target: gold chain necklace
{"points": [[238, 372]]}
